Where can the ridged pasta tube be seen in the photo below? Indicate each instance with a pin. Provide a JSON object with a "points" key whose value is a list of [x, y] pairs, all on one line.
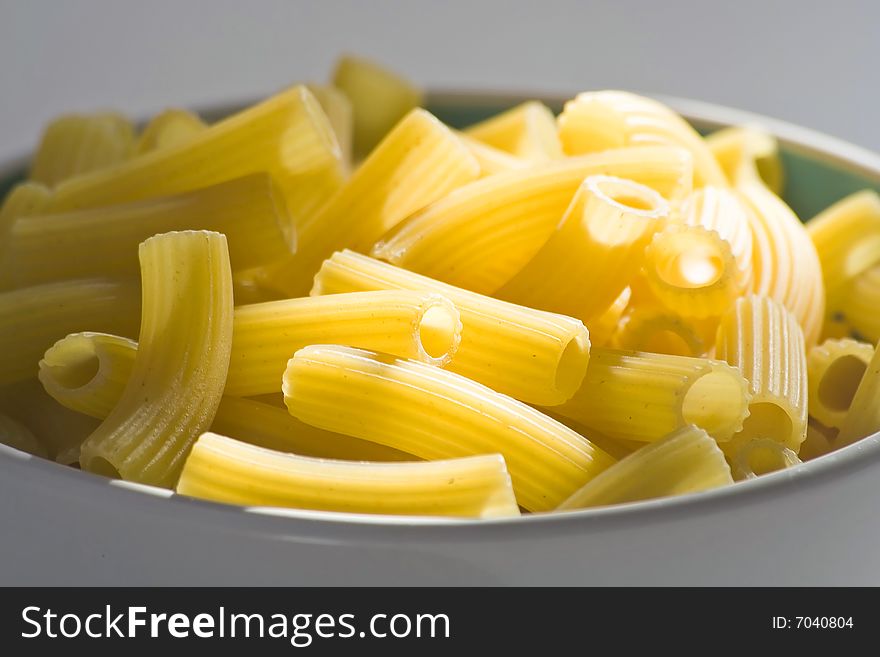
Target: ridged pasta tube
{"points": [[603, 327], [15, 434], [686, 461], [227, 470], [760, 456], [181, 364], [24, 199], [436, 414], [169, 128], [420, 161], [647, 326], [534, 356], [858, 303], [644, 396], [337, 107], [820, 440], [75, 144], [863, 417], [737, 146], [527, 131], [834, 370], [596, 250], [764, 341], [491, 160], [420, 325], [599, 120], [481, 235], [103, 241]]}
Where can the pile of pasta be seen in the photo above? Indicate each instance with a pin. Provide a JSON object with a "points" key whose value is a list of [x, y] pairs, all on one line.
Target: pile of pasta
{"points": [[331, 300]]}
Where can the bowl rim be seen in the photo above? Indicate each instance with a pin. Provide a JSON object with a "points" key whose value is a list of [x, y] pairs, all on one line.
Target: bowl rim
{"points": [[823, 470]]}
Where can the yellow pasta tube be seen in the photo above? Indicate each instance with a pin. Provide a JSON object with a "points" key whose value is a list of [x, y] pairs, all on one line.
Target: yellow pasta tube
{"points": [[834, 370], [420, 161], [599, 244], [723, 211], [15, 434], [103, 241], [481, 235], [436, 414], [764, 341], [863, 417], [379, 98], [169, 128], [760, 456], [527, 131], [644, 396], [734, 146], [691, 270], [181, 364], [420, 325], [337, 107], [491, 160], [227, 470], [534, 356], [287, 136], [847, 239], [599, 120], [24, 199], [686, 461], [33, 318], [652, 328], [820, 440], [858, 303], [603, 327], [76, 144]]}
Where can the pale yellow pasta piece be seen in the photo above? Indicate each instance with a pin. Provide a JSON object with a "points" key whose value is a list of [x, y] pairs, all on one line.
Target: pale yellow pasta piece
{"points": [[104, 241], [436, 414], [15, 434], [647, 326], [527, 131], [337, 107], [599, 120], [534, 356], [858, 303], [834, 370], [227, 470], [760, 456], [379, 99], [420, 161], [420, 325], [644, 396], [863, 417], [24, 199], [76, 144], [169, 128], [685, 461], [491, 160], [481, 235], [735, 145], [181, 363], [595, 251], [764, 341], [820, 440], [603, 327], [287, 136], [33, 318]]}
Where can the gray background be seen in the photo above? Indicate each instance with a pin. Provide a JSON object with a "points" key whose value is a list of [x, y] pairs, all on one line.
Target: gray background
{"points": [[808, 62]]}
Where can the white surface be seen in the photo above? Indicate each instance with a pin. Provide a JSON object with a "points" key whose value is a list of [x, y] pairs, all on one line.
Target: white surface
{"points": [[809, 62]]}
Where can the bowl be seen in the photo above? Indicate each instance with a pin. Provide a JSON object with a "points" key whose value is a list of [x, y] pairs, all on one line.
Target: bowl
{"points": [[814, 524]]}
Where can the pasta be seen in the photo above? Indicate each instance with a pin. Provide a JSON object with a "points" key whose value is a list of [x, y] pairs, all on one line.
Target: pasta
{"points": [[819, 441], [764, 341], [863, 417], [644, 396], [337, 107], [858, 304], [249, 211], [603, 326], [24, 199], [599, 243], [436, 414], [527, 131], [686, 461], [533, 356], [15, 434], [226, 470], [481, 235], [491, 160], [750, 146], [648, 326], [760, 456], [180, 368], [834, 370], [169, 128]]}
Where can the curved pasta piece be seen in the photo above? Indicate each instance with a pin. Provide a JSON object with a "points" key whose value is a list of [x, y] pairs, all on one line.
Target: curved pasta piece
{"points": [[479, 236], [226, 470], [419, 325], [169, 128], [15, 434], [436, 414], [76, 144], [686, 461], [103, 241], [863, 417], [647, 326], [340, 113], [760, 456], [599, 120], [491, 160], [527, 131], [599, 244], [751, 146], [181, 364], [858, 304], [603, 327], [764, 341], [834, 370], [531, 355], [644, 396]]}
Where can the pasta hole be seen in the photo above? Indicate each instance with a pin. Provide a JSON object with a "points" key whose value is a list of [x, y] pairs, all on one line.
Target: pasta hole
{"points": [[682, 261], [628, 195], [101, 466], [764, 457], [77, 371], [572, 365], [767, 420], [716, 403], [439, 331], [838, 387]]}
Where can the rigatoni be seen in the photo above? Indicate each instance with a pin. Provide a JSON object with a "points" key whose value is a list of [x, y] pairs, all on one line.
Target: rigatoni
{"points": [[858, 303], [527, 131], [648, 326], [436, 414], [181, 364], [337, 107], [686, 461], [863, 417], [491, 160], [169, 128], [533, 356], [226, 470], [834, 371], [760, 456], [748, 147]]}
